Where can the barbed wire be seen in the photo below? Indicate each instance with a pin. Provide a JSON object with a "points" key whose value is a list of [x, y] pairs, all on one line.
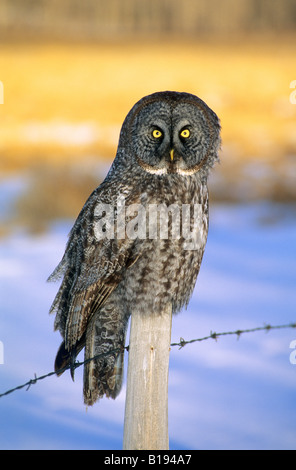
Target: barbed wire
{"points": [[181, 344], [238, 333]]}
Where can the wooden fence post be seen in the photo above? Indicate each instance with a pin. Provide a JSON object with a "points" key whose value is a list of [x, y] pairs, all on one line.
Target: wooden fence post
{"points": [[146, 406]]}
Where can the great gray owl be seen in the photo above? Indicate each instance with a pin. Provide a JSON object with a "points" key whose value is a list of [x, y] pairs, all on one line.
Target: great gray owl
{"points": [[167, 145]]}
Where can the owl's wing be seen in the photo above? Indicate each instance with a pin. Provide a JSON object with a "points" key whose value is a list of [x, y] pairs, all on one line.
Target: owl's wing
{"points": [[91, 269]]}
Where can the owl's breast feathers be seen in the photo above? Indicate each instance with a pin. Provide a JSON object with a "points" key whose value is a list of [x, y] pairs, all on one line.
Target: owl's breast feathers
{"points": [[138, 243], [151, 272], [92, 268], [167, 268]]}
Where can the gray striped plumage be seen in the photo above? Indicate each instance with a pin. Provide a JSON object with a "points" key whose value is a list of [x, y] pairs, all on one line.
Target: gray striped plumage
{"points": [[105, 279]]}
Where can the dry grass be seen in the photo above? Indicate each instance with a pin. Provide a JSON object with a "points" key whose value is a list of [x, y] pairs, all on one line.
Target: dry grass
{"points": [[54, 193], [49, 86], [64, 105]]}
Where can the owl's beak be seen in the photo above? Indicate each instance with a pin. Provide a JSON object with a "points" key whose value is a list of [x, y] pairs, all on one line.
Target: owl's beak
{"points": [[172, 154]]}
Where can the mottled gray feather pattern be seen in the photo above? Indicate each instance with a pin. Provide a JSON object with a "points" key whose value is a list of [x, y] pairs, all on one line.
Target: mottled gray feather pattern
{"points": [[105, 279]]}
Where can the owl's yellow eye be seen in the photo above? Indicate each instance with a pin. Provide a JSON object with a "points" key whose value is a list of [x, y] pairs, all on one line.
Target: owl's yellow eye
{"points": [[185, 133], [157, 134]]}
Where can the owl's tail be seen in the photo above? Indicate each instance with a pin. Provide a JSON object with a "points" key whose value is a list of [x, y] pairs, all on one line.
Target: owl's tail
{"points": [[105, 338], [66, 359]]}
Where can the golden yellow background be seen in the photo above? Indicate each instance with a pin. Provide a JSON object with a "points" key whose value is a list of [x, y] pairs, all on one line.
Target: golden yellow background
{"points": [[70, 80]]}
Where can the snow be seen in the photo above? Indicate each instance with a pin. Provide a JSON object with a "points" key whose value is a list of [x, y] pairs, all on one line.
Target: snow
{"points": [[224, 394]]}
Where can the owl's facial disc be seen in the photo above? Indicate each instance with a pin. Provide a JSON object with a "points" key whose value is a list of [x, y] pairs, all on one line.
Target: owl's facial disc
{"points": [[170, 139]]}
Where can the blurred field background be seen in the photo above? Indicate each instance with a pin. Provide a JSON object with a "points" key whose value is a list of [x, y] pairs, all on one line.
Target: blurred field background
{"points": [[72, 70]]}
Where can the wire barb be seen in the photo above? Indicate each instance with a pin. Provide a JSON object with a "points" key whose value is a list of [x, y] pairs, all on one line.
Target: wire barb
{"points": [[32, 382], [181, 344]]}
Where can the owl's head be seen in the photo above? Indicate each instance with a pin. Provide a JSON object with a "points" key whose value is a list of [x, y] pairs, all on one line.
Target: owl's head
{"points": [[171, 133]]}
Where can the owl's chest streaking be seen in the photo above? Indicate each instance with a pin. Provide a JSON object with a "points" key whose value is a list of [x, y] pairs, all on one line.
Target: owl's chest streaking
{"points": [[170, 246]]}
